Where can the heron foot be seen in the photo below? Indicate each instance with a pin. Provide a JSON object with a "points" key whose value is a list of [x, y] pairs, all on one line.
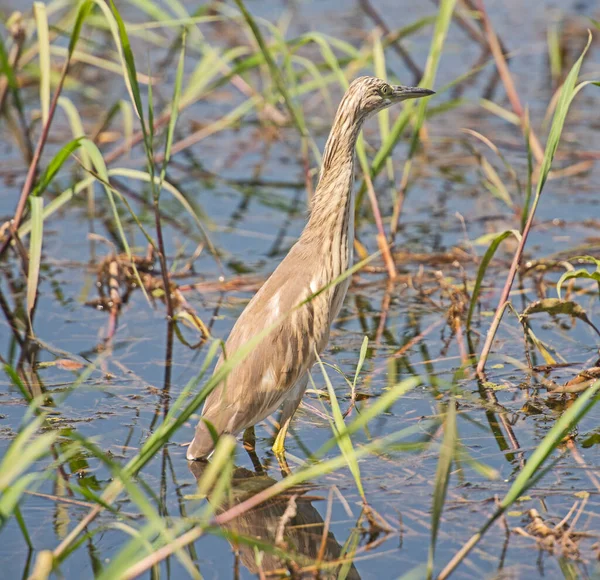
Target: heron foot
{"points": [[283, 464], [279, 449]]}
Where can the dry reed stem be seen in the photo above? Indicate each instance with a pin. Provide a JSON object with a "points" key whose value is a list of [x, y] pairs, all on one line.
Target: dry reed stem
{"points": [[326, 524], [489, 339], [581, 462], [18, 35], [402, 52], [31, 172], [381, 237], [507, 80], [416, 339], [159, 555]]}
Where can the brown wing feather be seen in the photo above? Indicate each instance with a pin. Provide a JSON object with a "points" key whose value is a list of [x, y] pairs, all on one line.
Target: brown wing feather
{"points": [[256, 387]]}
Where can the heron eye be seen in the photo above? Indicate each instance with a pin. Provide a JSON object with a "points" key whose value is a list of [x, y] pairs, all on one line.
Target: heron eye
{"points": [[386, 91]]}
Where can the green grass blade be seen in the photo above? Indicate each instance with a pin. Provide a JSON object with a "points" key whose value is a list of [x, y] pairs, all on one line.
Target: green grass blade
{"points": [[23, 527], [77, 131], [17, 382], [174, 110], [55, 165], [82, 14], [529, 190], [41, 20], [339, 427], [562, 108], [348, 551], [130, 69], [442, 478], [7, 70], [485, 261], [98, 162], [442, 23], [554, 51], [566, 422], [35, 250], [279, 82], [24, 450], [361, 359], [381, 405]]}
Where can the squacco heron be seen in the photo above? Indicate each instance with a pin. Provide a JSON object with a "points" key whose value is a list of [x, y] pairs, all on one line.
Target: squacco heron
{"points": [[275, 373]]}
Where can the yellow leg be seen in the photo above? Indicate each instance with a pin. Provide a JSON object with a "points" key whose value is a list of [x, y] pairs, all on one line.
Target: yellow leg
{"points": [[279, 445], [283, 465], [287, 412]]}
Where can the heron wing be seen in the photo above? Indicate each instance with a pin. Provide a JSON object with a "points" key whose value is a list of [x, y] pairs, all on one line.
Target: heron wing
{"points": [[258, 384]]}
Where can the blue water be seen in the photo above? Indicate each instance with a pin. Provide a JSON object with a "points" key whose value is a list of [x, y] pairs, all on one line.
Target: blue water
{"points": [[446, 207]]}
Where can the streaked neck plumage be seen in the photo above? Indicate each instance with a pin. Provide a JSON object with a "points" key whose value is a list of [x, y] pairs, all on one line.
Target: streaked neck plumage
{"points": [[332, 206]]}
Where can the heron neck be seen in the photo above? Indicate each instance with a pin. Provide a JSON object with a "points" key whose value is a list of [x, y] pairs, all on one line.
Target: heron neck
{"points": [[332, 206]]}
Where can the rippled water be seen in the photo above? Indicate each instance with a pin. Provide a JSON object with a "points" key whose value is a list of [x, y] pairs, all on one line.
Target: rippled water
{"points": [[254, 225]]}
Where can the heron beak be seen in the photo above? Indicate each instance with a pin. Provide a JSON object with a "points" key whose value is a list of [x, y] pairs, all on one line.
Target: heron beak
{"points": [[401, 93]]}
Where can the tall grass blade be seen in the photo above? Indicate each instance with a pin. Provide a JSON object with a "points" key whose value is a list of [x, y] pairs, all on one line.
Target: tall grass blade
{"points": [[442, 478], [376, 409], [485, 261], [55, 165], [174, 110], [295, 114], [82, 14], [562, 108], [77, 131], [361, 360], [129, 65], [339, 427], [529, 190], [98, 162], [41, 20], [442, 23], [35, 251], [8, 71], [23, 527], [554, 51]]}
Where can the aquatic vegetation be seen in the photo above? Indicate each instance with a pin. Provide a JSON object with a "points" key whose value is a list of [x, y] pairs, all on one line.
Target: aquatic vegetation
{"points": [[158, 162]]}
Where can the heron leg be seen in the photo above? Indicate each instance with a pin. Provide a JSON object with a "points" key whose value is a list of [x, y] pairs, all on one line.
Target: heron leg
{"points": [[287, 413], [249, 439]]}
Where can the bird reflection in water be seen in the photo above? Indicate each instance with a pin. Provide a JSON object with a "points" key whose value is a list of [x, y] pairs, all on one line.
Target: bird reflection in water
{"points": [[302, 533]]}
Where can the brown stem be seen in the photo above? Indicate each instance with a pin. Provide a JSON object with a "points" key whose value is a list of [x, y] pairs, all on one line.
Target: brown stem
{"points": [[163, 262], [10, 319], [398, 204], [402, 52], [29, 180], [18, 34], [159, 555], [489, 339], [506, 77], [468, 28], [381, 237], [464, 551]]}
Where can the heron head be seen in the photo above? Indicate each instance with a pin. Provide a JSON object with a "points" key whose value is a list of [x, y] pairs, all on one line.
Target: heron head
{"points": [[371, 95]]}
